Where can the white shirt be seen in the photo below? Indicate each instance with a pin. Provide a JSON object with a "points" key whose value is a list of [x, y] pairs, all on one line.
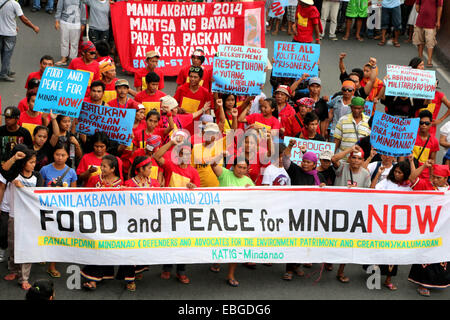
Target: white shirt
{"points": [[275, 176], [373, 165], [445, 131], [8, 14], [389, 185]]}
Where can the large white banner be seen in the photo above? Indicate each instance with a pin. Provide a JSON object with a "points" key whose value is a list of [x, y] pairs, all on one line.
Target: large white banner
{"points": [[260, 224]]}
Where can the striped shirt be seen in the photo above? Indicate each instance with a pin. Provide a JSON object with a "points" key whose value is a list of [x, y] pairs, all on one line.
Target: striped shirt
{"points": [[349, 132]]}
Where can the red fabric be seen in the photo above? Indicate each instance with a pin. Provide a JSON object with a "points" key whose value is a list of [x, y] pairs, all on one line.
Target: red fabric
{"points": [[246, 26], [182, 121], [139, 77], [130, 104], [286, 112], [131, 184], [201, 95], [170, 168], [90, 159], [110, 86], [258, 117], [305, 34], [143, 96], [93, 68], [183, 76], [25, 118], [427, 15], [23, 105], [139, 143], [256, 168], [434, 107], [35, 75], [92, 183]]}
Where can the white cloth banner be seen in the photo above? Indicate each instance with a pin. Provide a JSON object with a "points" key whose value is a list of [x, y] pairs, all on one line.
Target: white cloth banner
{"points": [[260, 224]]}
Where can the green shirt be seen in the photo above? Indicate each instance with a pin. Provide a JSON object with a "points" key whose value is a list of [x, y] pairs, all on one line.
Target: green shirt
{"points": [[228, 179]]}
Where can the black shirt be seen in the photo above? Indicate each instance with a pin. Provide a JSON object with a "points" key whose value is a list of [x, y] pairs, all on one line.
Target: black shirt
{"points": [[327, 176], [300, 177], [8, 140], [405, 108]]}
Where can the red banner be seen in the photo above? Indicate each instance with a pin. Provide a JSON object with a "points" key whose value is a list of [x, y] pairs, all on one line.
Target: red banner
{"points": [[175, 30]]}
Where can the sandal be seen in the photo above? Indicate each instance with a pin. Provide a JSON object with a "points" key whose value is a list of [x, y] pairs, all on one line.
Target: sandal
{"points": [[328, 267], [360, 39], [390, 286], [397, 44], [89, 286], [342, 278], [25, 285], [215, 268], [429, 65], [381, 43], [233, 282], [288, 276], [423, 292], [11, 276], [345, 38], [54, 273], [131, 286], [299, 272], [165, 275], [139, 276], [250, 265], [183, 278]]}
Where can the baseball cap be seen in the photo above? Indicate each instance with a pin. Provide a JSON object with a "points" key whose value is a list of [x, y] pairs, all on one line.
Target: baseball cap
{"points": [[285, 89], [169, 101], [314, 80], [122, 82], [200, 54], [212, 127], [12, 112], [151, 54], [357, 101], [360, 153], [326, 155], [153, 142]]}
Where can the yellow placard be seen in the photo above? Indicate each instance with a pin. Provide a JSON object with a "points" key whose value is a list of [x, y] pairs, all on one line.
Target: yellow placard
{"points": [[109, 95], [178, 181], [30, 127], [152, 105], [190, 105]]}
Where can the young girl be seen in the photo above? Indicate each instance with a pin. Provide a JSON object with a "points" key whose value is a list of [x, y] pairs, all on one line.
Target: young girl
{"points": [[58, 174], [109, 178], [152, 120], [26, 177], [140, 178], [266, 119], [41, 146], [30, 118], [60, 131]]}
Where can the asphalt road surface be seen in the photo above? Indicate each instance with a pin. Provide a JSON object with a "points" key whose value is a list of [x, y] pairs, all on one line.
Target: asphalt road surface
{"points": [[264, 282]]}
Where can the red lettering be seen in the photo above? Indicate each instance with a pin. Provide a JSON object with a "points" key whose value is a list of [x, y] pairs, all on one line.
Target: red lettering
{"points": [[394, 229], [373, 215], [427, 219]]}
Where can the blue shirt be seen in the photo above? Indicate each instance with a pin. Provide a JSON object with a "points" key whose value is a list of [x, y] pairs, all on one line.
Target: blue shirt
{"points": [[50, 174], [389, 4]]}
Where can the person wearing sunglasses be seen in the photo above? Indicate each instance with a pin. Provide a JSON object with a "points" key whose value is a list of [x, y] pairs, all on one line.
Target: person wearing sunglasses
{"points": [[426, 146], [197, 58], [87, 62], [339, 106], [68, 18]]}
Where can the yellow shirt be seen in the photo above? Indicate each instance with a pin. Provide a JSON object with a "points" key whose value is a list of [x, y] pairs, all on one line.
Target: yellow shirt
{"points": [[201, 156]]}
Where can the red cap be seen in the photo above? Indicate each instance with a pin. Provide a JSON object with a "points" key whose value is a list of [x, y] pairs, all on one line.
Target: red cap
{"points": [[441, 170], [360, 153]]}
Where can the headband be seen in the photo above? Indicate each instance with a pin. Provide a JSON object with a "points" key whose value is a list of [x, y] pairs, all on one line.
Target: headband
{"points": [[142, 164]]}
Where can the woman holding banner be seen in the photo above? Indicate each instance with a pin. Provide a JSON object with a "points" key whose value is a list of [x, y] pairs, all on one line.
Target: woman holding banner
{"points": [[109, 178]]}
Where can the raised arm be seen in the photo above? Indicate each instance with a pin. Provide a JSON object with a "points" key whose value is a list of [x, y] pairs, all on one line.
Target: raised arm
{"points": [[341, 155]]}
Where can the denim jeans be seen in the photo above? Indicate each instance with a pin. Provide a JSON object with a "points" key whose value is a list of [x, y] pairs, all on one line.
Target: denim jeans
{"points": [[391, 16], [7, 44], [49, 6], [97, 35]]}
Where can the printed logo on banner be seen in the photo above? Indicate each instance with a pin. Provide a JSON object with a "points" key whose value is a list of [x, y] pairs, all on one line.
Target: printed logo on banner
{"points": [[61, 91], [393, 136], [293, 59], [175, 30], [311, 145], [117, 123], [408, 82], [239, 70]]}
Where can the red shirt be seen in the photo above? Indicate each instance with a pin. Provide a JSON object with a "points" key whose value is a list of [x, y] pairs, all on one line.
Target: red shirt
{"points": [[256, 168], [181, 121], [272, 122], [434, 107], [192, 101], [132, 183], [130, 104], [156, 169], [178, 177], [286, 112], [110, 91], [35, 75], [432, 146], [427, 15], [305, 19], [26, 118], [183, 77], [292, 127], [23, 105], [141, 137], [93, 68], [98, 182], [90, 159], [139, 78], [150, 101]]}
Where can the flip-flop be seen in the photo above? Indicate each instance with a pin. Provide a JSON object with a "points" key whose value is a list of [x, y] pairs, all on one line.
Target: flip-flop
{"points": [[381, 43], [11, 276], [429, 65], [54, 273], [390, 286], [233, 282], [396, 44], [342, 278], [25, 285], [287, 276], [423, 292], [215, 268], [89, 286]]}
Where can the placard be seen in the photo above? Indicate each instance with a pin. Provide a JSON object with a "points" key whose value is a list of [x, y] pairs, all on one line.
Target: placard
{"points": [[311, 145], [293, 59], [408, 82]]}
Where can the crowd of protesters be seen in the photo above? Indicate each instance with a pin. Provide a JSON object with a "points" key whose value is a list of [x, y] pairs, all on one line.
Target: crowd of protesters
{"points": [[175, 138]]}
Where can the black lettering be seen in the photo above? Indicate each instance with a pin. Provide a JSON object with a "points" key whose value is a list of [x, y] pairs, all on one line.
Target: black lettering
{"points": [[335, 214], [143, 225], [213, 219], [173, 213], [225, 221], [295, 225], [113, 215], [359, 222], [155, 225], [193, 219], [59, 214], [44, 219], [132, 226], [318, 217], [91, 214], [244, 220]]}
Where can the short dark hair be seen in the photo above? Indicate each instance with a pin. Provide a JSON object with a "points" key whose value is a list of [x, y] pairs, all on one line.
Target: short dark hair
{"points": [[425, 114], [310, 117], [197, 70], [101, 137], [152, 77], [39, 128], [240, 159], [404, 167], [40, 290], [46, 57], [359, 74], [98, 83], [33, 83], [102, 48], [153, 112]]}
